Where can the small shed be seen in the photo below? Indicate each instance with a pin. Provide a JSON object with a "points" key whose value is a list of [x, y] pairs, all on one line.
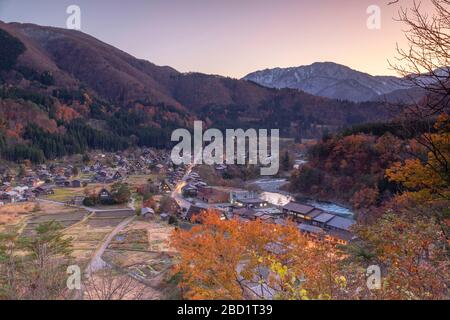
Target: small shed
{"points": [[147, 211]]}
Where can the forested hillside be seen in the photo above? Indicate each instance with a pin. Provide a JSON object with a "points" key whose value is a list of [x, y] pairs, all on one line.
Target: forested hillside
{"points": [[62, 91]]}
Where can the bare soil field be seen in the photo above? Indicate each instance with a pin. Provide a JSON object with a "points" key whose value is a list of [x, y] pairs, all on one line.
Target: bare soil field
{"points": [[158, 234], [114, 214], [66, 219], [104, 219], [86, 238], [50, 208], [142, 249], [104, 222], [30, 214], [14, 214], [134, 239]]}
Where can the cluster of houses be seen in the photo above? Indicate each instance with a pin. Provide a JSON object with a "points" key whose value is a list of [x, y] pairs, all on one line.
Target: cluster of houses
{"points": [[114, 167], [194, 185], [246, 205], [319, 224], [20, 189], [105, 168]]}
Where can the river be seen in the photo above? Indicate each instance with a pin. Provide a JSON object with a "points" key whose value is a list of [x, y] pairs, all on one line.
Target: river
{"points": [[271, 192]]}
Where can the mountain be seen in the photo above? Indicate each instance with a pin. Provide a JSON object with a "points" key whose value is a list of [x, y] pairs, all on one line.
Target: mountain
{"points": [[330, 80], [68, 91]]}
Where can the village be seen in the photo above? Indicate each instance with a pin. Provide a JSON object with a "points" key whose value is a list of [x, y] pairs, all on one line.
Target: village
{"points": [[68, 185], [121, 208]]}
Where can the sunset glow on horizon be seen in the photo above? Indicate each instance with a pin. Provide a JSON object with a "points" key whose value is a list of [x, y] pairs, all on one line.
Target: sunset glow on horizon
{"points": [[232, 38]]}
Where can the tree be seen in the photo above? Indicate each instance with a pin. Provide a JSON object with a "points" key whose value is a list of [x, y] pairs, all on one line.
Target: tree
{"points": [[9, 265], [47, 78], [168, 205], [431, 176], [425, 63], [229, 259], [426, 60], [86, 158], [110, 284], [120, 192], [75, 171], [286, 162], [49, 253], [22, 172], [409, 248], [150, 203], [35, 267]]}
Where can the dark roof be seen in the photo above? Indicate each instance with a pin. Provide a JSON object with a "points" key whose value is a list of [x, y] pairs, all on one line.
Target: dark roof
{"points": [[104, 190], [298, 208], [247, 213], [314, 213], [324, 217], [341, 223], [309, 228], [195, 210], [341, 234]]}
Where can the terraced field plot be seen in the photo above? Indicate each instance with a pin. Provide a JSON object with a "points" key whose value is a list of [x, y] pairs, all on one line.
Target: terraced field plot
{"points": [[135, 239], [65, 194], [14, 215], [114, 214], [145, 264], [142, 249], [87, 237], [105, 219], [66, 219]]}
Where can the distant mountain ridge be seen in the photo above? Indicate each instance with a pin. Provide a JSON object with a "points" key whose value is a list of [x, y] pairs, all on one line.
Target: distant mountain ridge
{"points": [[330, 80], [68, 91]]}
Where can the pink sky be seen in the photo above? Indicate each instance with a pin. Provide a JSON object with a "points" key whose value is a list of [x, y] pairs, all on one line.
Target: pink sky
{"points": [[231, 37]]}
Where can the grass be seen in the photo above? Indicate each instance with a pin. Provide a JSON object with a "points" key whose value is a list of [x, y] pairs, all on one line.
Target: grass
{"points": [[85, 176], [136, 180], [65, 194], [135, 239]]}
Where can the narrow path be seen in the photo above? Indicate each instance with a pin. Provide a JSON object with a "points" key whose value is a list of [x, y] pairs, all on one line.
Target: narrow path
{"points": [[97, 262]]}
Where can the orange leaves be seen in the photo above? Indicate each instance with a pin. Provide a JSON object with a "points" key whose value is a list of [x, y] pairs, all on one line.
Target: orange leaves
{"points": [[229, 259], [18, 114], [343, 165], [429, 176], [412, 251], [411, 174], [365, 198], [66, 113], [209, 254], [150, 203]]}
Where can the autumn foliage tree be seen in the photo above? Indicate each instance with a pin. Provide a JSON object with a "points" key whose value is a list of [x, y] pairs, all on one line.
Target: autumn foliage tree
{"points": [[410, 241], [341, 167], [429, 177], [230, 259], [35, 267], [410, 249]]}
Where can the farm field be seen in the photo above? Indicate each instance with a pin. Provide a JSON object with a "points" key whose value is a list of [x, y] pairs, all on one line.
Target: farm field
{"points": [[142, 250], [13, 215], [65, 219], [136, 180], [28, 215], [64, 194], [90, 234]]}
